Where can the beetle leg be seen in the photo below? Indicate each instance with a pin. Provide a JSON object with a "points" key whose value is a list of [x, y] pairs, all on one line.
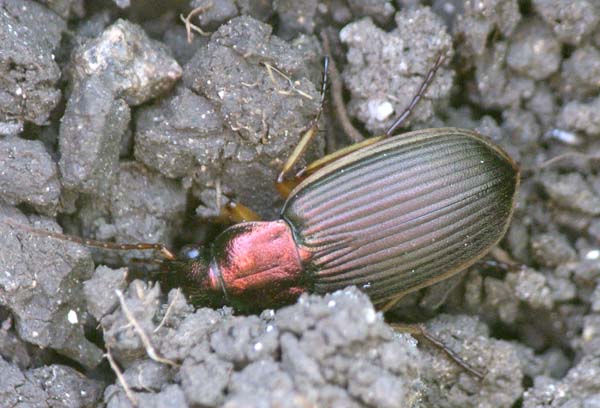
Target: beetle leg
{"points": [[392, 302], [298, 151], [576, 159], [336, 86], [415, 100], [310, 134], [419, 330], [338, 154], [504, 259], [235, 213], [285, 187]]}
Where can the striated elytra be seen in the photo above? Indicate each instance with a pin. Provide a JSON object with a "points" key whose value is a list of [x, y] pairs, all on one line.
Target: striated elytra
{"points": [[404, 213], [390, 218]]}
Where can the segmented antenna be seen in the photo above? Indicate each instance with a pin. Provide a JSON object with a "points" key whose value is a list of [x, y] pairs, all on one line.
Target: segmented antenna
{"points": [[324, 84], [91, 242], [310, 134], [415, 100]]}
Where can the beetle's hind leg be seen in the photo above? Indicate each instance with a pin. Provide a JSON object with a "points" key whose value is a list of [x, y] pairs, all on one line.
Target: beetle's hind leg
{"points": [[419, 330], [418, 96]]}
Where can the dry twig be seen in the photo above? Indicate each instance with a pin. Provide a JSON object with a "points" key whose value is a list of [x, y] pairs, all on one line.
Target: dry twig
{"points": [[189, 26], [271, 69], [168, 312]]}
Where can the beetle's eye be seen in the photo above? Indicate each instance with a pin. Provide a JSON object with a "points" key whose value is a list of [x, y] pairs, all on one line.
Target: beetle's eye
{"points": [[191, 252]]}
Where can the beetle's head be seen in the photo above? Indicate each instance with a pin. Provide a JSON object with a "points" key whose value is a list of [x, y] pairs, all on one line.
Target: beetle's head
{"points": [[190, 271]]}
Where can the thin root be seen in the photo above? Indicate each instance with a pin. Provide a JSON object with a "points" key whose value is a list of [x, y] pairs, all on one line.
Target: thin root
{"points": [[150, 350], [190, 27], [168, 312], [271, 69], [113, 365]]}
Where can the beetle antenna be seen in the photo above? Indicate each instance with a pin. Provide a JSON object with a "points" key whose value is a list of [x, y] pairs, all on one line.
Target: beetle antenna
{"points": [[337, 95], [582, 158], [415, 100], [91, 242], [309, 135], [324, 85]]}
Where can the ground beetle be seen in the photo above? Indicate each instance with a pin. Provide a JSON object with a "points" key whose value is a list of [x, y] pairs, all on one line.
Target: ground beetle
{"points": [[390, 215]]}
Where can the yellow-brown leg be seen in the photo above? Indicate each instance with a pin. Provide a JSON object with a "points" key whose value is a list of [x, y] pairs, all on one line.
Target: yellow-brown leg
{"points": [[234, 213], [285, 187], [392, 302], [419, 330], [308, 136]]}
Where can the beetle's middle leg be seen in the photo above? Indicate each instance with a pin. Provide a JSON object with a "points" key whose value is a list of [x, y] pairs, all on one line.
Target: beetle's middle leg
{"points": [[283, 186], [235, 213]]}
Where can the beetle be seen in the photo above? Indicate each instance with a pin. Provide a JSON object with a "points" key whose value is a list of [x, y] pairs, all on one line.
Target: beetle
{"points": [[390, 215], [391, 218]]}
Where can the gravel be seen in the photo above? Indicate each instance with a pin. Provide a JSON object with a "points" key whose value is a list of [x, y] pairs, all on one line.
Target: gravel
{"points": [[114, 127]]}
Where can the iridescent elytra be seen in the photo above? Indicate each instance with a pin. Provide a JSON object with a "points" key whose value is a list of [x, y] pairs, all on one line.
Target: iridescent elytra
{"points": [[403, 213]]}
